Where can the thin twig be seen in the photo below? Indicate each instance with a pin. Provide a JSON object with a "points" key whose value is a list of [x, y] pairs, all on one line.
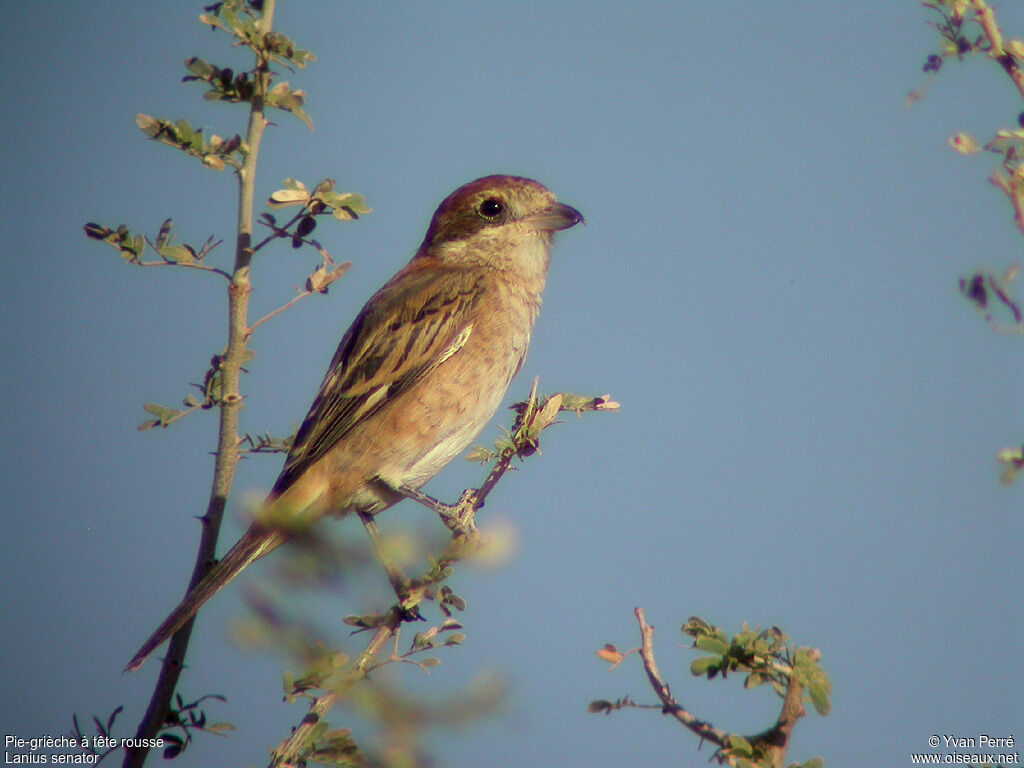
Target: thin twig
{"points": [[398, 580], [459, 518], [197, 264], [278, 231], [279, 310], [987, 21], [999, 181], [669, 705], [164, 263], [179, 415], [302, 737]]}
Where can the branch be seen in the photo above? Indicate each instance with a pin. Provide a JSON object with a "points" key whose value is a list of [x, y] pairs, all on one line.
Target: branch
{"points": [[193, 265], [277, 232], [669, 705], [315, 283], [411, 592], [230, 404], [132, 246], [775, 741], [766, 656], [987, 21], [279, 310], [288, 753], [533, 417], [1002, 183]]}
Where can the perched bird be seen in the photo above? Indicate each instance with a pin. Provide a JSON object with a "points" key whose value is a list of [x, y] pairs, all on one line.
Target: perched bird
{"points": [[416, 377]]}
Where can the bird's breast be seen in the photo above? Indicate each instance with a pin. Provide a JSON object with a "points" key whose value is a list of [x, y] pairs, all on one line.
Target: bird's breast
{"points": [[414, 436], [458, 398]]}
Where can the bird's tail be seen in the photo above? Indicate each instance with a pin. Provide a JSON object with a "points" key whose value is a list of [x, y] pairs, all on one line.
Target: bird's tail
{"points": [[256, 542]]}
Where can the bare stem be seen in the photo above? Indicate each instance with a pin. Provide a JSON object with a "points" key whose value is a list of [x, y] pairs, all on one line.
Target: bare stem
{"points": [[279, 310], [669, 705], [231, 402], [987, 21], [303, 736], [774, 742], [279, 231], [202, 267], [181, 414], [398, 580], [1002, 183]]}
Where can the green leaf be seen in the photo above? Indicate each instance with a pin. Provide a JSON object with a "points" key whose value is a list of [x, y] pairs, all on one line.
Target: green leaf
{"points": [[186, 133], [318, 730], [347, 206], [180, 254], [820, 697], [231, 20], [283, 97], [149, 125], [301, 114], [356, 202], [324, 189], [163, 414], [712, 645], [367, 621], [740, 745], [282, 198], [964, 143], [455, 602], [421, 640], [695, 625], [199, 67], [481, 454], [164, 235], [703, 665], [219, 727]]}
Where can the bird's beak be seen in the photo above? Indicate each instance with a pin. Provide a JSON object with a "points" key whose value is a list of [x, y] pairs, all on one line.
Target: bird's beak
{"points": [[557, 216]]}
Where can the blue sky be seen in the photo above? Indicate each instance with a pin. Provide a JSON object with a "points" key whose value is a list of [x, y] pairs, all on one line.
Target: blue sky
{"points": [[766, 282]]}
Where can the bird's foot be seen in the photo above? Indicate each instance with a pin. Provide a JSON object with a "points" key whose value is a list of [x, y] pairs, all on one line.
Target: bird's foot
{"points": [[461, 516], [458, 517]]}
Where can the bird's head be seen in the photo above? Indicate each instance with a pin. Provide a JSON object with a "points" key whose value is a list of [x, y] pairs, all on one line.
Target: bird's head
{"points": [[502, 222]]}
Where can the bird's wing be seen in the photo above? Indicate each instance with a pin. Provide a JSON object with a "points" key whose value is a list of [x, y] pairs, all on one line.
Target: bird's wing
{"points": [[414, 323]]}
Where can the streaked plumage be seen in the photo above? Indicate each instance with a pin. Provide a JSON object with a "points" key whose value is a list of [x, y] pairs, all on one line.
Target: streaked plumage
{"points": [[418, 374]]}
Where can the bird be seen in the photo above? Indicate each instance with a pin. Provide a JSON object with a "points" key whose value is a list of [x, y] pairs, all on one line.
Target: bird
{"points": [[416, 377]]}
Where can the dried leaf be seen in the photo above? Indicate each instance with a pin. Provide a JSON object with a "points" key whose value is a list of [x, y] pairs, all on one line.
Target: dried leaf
{"points": [[611, 654], [964, 143]]}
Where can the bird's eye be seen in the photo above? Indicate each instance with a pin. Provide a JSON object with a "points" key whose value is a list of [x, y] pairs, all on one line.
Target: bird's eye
{"points": [[491, 208]]}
